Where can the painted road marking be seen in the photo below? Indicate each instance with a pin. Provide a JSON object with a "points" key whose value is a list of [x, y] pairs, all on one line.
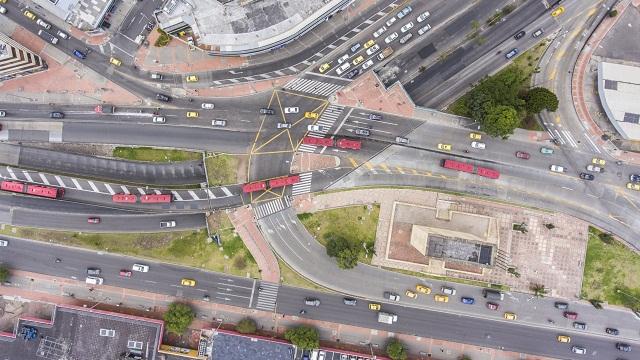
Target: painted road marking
{"points": [[76, 184], [109, 189], [26, 174], [193, 195], [44, 179], [176, 195], [13, 176], [59, 180], [226, 191], [93, 186], [124, 189], [141, 191]]}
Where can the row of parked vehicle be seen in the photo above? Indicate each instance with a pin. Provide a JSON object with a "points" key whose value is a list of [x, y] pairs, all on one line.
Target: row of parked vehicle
{"points": [[94, 278]]}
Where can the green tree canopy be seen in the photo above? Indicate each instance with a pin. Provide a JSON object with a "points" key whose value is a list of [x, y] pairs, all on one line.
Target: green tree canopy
{"points": [[539, 98], [4, 274], [335, 244], [396, 350], [479, 104], [500, 121], [304, 337], [246, 326], [348, 258], [178, 317]]}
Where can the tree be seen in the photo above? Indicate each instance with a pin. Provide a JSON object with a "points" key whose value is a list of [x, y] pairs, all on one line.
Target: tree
{"points": [[347, 258], [336, 244], [538, 289], [539, 98], [304, 337], [606, 237], [4, 274], [500, 121], [246, 326], [178, 317], [550, 226], [613, 13], [479, 104], [396, 350]]}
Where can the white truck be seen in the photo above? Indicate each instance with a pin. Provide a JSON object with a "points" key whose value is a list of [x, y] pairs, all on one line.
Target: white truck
{"points": [[387, 318]]}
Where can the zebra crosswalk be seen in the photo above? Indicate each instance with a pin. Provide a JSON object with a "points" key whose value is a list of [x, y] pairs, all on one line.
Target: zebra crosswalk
{"points": [[312, 87], [304, 186], [271, 207], [267, 296], [326, 121]]}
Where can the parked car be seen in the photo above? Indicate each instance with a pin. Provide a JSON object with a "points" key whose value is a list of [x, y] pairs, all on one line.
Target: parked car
{"points": [[79, 54], [391, 21], [267, 111], [350, 301], [125, 273], [410, 294], [424, 29], [370, 51], [612, 331], [404, 12], [408, 26], [379, 32], [423, 16], [167, 224], [369, 44], [343, 58], [62, 34], [556, 168], [537, 33], [43, 23], [402, 140], [448, 290], [404, 39], [586, 176], [355, 47], [492, 306], [510, 316], [375, 117], [561, 305], [367, 64], [93, 271], [391, 37], [163, 97], [594, 168], [4, 242], [570, 315], [513, 52], [634, 178], [291, 110], [623, 347], [598, 161], [391, 296], [522, 155], [423, 289], [207, 106], [579, 325], [353, 73]]}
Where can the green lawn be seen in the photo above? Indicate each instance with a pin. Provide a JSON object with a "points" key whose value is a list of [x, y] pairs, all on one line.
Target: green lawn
{"points": [[290, 277], [222, 169], [154, 155], [353, 223], [611, 272]]}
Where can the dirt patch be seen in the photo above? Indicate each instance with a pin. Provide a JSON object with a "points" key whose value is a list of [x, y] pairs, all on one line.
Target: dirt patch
{"points": [[81, 149]]}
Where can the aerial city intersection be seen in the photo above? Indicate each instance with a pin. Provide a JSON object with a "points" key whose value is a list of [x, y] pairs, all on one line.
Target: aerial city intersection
{"points": [[319, 180]]}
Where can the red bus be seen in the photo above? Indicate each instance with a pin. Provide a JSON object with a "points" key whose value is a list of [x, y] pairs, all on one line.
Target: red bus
{"points": [[13, 186], [154, 198], [284, 181], [254, 186], [310, 140], [349, 144], [50, 192], [488, 173], [124, 198], [457, 165]]}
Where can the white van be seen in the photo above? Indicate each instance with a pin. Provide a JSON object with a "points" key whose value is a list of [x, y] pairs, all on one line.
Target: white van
{"points": [[94, 280]]}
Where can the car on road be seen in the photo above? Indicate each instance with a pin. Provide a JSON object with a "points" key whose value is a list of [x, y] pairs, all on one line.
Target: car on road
{"points": [[93, 220], [344, 67], [207, 106], [633, 186], [187, 282], [324, 67], [311, 301], [350, 301], [385, 53], [375, 117], [114, 61], [513, 52], [167, 223], [163, 97], [523, 155], [192, 78], [267, 111], [372, 50], [467, 300], [3, 10], [519, 35], [448, 290], [445, 147], [594, 168], [343, 58], [311, 115], [353, 73], [192, 114], [571, 315], [219, 122], [362, 132], [56, 115], [579, 325], [291, 110], [391, 37], [374, 306], [563, 338], [411, 294], [391, 296], [29, 15], [556, 168], [546, 150], [406, 38], [510, 316], [404, 12], [3, 113], [634, 178], [369, 44], [478, 145], [557, 11], [492, 306], [140, 268], [317, 128], [578, 350], [561, 305], [422, 17], [4, 243], [423, 289], [62, 34], [475, 136], [367, 64], [94, 280], [283, 126], [623, 347], [93, 271], [441, 298], [408, 26], [403, 140], [125, 273], [424, 29], [355, 47], [79, 54], [612, 331], [43, 23], [537, 33], [586, 176], [391, 21], [159, 120], [598, 161], [358, 60], [380, 31]]}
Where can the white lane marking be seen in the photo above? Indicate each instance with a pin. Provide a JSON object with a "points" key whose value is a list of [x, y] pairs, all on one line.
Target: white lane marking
{"points": [[210, 193], [93, 186], [76, 184], [193, 195], [13, 176], [109, 189], [27, 175], [124, 189], [44, 179], [176, 195], [141, 191], [567, 188], [593, 145], [59, 180], [226, 191]]}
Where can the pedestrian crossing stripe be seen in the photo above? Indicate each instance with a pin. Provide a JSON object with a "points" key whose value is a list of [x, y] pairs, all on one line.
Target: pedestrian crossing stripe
{"points": [[312, 87], [304, 186], [267, 296], [271, 207]]}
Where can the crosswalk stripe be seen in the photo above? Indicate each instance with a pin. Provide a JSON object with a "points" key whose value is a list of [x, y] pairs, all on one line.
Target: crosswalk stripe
{"points": [[76, 184], [109, 189], [27, 175], [210, 193], [13, 176], [93, 186], [59, 180], [304, 186], [312, 87], [226, 191], [271, 207], [44, 179], [193, 195], [176, 195], [141, 191], [124, 189], [267, 296]]}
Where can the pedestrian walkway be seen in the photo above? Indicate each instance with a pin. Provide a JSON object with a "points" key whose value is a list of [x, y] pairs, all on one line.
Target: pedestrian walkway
{"points": [[304, 186], [267, 297], [271, 207], [326, 121], [312, 87]]}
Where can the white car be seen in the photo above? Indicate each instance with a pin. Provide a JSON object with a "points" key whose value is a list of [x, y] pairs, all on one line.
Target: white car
{"points": [[424, 29], [4, 243], [391, 21], [283, 126], [556, 168], [291, 110], [344, 58], [44, 24], [168, 224], [478, 145], [343, 68], [372, 50], [62, 34], [423, 16], [367, 64], [159, 119], [208, 106], [448, 290], [140, 268], [579, 350], [408, 26], [379, 31], [594, 168], [3, 10], [391, 37], [317, 128]]}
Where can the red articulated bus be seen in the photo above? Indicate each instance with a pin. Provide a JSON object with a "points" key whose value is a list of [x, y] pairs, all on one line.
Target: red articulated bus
{"points": [[124, 198], [254, 186], [349, 144], [457, 165], [284, 181], [156, 198], [32, 189], [310, 140], [488, 173]]}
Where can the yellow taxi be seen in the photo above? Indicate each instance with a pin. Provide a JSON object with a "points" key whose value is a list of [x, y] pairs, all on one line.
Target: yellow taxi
{"points": [[192, 78], [188, 282], [29, 14], [564, 339], [192, 114], [445, 147], [441, 298], [598, 161], [115, 61], [510, 316], [324, 67], [311, 115], [3, 1], [374, 306], [557, 11], [475, 136], [369, 44], [411, 294], [633, 186], [358, 60], [423, 289]]}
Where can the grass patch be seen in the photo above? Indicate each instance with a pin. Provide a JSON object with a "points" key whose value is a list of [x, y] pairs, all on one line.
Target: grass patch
{"points": [[222, 169], [189, 248], [163, 40], [155, 155], [357, 223], [290, 277], [611, 272]]}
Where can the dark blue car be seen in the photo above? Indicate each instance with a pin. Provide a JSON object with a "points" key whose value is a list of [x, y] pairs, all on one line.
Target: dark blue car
{"points": [[79, 54], [468, 300]]}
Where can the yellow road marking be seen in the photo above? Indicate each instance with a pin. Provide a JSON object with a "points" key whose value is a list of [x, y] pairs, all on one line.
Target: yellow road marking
{"points": [[385, 167], [552, 75], [557, 119], [415, 172], [353, 162], [273, 152], [399, 169], [368, 165]]}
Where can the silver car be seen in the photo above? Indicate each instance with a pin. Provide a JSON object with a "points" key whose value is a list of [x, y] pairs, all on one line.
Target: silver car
{"points": [[391, 37]]}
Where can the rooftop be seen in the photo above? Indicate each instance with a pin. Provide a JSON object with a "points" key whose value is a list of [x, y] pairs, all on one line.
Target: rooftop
{"points": [[619, 89], [231, 346]]}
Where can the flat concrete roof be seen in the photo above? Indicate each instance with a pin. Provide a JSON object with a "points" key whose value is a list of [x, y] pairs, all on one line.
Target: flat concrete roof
{"points": [[619, 91], [231, 346]]}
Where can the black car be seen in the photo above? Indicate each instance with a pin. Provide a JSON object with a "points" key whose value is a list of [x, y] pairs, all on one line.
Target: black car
{"points": [[585, 176], [93, 271], [612, 331], [519, 35], [163, 97], [56, 115], [623, 347], [362, 132], [267, 111], [353, 73], [634, 178], [579, 325], [561, 305]]}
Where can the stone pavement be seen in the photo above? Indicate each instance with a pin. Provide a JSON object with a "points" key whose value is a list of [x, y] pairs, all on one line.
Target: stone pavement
{"points": [[303, 162], [243, 220], [578, 84]]}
